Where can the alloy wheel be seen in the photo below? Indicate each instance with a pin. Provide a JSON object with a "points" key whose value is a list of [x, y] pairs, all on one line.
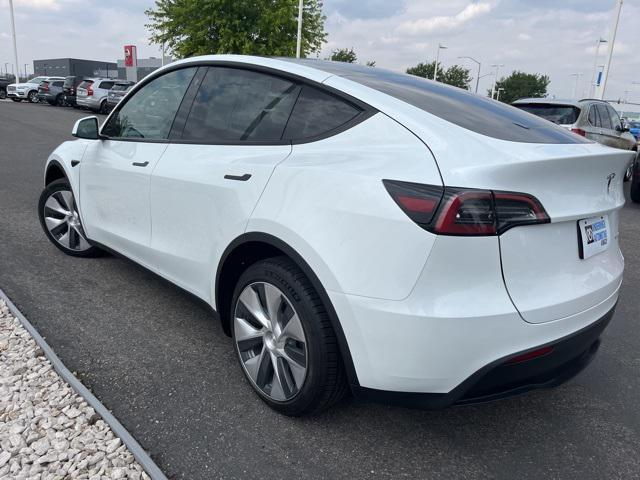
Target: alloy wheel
{"points": [[33, 97], [63, 222], [270, 341]]}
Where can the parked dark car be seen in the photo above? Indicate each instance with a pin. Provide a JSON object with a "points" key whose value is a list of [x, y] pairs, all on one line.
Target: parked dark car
{"points": [[117, 92], [51, 91], [69, 89], [3, 87]]}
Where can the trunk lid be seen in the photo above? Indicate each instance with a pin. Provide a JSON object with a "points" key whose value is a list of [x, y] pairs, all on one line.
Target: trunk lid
{"points": [[543, 272]]}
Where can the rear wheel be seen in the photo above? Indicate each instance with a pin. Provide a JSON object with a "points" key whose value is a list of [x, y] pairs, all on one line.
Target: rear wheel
{"points": [[60, 100], [3, 94], [103, 108], [284, 340], [635, 186], [61, 222], [33, 97]]}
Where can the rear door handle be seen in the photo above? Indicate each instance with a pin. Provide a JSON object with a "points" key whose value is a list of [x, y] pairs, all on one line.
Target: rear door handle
{"points": [[140, 164], [240, 178]]}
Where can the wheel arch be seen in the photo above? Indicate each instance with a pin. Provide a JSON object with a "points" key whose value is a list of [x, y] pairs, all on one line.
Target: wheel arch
{"points": [[252, 247], [55, 171]]}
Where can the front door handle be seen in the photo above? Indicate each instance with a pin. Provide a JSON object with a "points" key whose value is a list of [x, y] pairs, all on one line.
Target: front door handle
{"points": [[140, 164], [241, 178]]}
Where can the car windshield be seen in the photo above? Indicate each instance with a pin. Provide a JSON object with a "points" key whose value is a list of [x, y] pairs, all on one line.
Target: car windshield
{"points": [[560, 114], [37, 79]]}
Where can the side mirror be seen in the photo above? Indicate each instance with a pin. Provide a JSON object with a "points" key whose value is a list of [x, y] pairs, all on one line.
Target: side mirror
{"points": [[86, 128]]}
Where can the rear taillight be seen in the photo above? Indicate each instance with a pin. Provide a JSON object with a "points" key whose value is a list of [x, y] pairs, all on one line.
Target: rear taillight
{"points": [[465, 212], [89, 91], [579, 131], [525, 357], [45, 87]]}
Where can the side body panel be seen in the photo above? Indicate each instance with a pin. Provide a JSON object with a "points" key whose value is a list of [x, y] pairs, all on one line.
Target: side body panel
{"points": [[196, 212], [328, 202]]}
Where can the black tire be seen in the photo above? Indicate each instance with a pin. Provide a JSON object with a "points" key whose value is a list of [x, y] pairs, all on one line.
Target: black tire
{"points": [[325, 382], [3, 94], [33, 97], [53, 187], [59, 100], [635, 185], [18, 100], [104, 109]]}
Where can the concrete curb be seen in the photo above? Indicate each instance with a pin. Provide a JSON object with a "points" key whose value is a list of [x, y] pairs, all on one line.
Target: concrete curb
{"points": [[134, 447]]}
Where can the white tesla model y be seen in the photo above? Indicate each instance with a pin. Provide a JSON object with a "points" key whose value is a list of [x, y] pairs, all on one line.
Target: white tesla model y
{"points": [[354, 228]]}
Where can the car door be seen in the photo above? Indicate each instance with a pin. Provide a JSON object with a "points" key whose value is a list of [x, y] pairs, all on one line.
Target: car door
{"points": [[618, 134], [210, 178], [115, 171], [609, 136], [593, 125]]}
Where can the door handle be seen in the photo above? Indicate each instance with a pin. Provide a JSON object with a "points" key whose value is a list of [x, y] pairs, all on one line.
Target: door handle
{"points": [[240, 178], [140, 164]]}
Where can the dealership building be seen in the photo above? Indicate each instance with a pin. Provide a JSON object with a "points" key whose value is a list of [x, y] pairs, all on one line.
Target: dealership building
{"points": [[63, 67], [144, 66]]}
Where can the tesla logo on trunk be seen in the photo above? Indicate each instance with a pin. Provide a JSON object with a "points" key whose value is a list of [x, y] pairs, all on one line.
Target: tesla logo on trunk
{"points": [[610, 178]]}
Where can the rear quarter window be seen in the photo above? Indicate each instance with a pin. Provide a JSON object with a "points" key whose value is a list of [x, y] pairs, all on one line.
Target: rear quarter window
{"points": [[317, 113], [558, 114], [106, 85]]}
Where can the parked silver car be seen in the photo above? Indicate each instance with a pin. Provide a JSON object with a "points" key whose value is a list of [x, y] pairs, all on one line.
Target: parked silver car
{"points": [[594, 119], [118, 92], [92, 94]]}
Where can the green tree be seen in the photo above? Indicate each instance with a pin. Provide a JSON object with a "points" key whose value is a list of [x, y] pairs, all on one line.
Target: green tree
{"points": [[371, 63], [521, 85], [252, 27], [455, 75], [347, 55]]}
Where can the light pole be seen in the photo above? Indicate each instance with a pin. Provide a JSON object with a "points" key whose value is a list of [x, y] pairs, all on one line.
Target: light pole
{"points": [[299, 37], [594, 78], [495, 79], [13, 34], [498, 93], [477, 76], [612, 41], [6, 69], [575, 87], [25, 71], [435, 70]]}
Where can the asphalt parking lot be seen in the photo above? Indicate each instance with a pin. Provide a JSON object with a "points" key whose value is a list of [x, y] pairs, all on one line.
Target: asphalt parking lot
{"points": [[159, 360]]}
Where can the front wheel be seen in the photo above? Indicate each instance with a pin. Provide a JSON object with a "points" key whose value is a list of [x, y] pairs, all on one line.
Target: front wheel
{"points": [[33, 97], [3, 94], [284, 339], [61, 222]]}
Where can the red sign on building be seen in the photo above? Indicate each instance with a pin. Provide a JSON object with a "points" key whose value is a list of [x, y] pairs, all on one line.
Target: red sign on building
{"points": [[130, 56]]}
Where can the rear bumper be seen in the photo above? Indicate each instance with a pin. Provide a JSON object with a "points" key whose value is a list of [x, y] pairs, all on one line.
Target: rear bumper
{"points": [[501, 379], [88, 102]]}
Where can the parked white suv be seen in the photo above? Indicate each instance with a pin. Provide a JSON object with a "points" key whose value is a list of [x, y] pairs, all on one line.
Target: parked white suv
{"points": [[355, 229], [27, 90]]}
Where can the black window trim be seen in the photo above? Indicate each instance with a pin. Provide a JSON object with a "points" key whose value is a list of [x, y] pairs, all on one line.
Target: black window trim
{"points": [[366, 112]]}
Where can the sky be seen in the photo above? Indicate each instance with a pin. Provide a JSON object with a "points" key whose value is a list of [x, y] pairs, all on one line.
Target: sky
{"points": [[553, 37]]}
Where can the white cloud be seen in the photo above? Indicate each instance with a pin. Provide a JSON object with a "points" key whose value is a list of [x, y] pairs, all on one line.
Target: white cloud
{"points": [[442, 23], [40, 4], [524, 36]]}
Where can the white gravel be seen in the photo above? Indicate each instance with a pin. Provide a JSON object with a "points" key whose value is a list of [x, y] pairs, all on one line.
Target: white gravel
{"points": [[47, 431]]}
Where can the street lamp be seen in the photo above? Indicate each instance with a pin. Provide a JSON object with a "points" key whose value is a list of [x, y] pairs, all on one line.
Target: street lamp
{"points": [[612, 40], [299, 37], [594, 78], [13, 34], [25, 71], [477, 76], [435, 70], [495, 79], [498, 93]]}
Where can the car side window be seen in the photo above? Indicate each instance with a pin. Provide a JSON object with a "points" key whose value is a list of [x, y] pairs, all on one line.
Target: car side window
{"points": [[149, 113], [594, 120], [106, 85], [615, 118], [236, 105], [58, 84], [318, 112], [604, 116]]}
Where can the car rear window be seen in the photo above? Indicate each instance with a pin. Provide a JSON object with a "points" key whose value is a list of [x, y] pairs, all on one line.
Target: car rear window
{"points": [[69, 81], [86, 84], [559, 114], [120, 87], [106, 85], [474, 112]]}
